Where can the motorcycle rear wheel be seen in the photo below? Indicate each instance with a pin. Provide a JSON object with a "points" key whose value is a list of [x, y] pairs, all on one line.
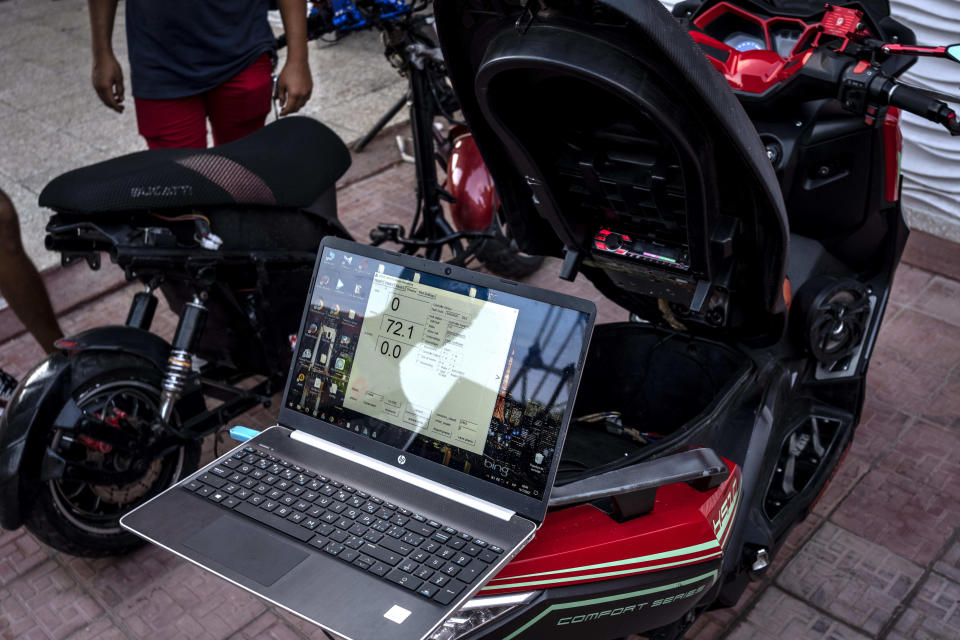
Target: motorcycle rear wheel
{"points": [[82, 518]]}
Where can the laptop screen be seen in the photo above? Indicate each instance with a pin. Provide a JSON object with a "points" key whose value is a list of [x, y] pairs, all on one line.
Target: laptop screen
{"points": [[472, 378]]}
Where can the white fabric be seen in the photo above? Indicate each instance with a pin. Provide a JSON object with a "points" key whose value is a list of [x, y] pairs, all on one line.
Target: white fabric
{"points": [[931, 157]]}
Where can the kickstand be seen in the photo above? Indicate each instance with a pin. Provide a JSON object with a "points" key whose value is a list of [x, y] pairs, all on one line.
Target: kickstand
{"points": [[381, 123]]}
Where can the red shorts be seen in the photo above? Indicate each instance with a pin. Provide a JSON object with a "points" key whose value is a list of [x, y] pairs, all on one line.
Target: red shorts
{"points": [[235, 108]]}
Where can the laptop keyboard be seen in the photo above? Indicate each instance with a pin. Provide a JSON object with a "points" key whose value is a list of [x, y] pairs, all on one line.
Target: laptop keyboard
{"points": [[422, 555]]}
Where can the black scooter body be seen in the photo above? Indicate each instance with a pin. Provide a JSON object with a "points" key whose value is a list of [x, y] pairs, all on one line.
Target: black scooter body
{"points": [[36, 401], [617, 146]]}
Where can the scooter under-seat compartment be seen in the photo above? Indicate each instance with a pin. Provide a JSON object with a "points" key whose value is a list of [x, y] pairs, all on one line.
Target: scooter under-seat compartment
{"points": [[642, 386]]}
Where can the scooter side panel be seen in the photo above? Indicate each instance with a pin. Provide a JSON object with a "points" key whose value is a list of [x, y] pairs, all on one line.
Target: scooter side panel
{"points": [[622, 607], [584, 545]]}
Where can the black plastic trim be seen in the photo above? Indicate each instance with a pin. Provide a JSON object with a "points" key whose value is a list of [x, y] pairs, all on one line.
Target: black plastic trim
{"points": [[633, 489]]}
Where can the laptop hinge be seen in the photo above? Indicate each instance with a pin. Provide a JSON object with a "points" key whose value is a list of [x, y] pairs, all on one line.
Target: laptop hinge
{"points": [[432, 486]]}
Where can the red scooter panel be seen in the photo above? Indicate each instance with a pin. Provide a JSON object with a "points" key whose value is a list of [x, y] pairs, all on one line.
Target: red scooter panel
{"points": [[754, 54], [583, 544]]}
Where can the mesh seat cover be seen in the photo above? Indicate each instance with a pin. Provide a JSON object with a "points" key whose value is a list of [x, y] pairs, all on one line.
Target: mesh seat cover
{"points": [[289, 163]]}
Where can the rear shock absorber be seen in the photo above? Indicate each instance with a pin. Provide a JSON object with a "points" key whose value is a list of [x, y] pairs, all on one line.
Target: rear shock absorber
{"points": [[179, 362]]}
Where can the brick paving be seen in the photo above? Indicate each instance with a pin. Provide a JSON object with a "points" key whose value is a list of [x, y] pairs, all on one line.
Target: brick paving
{"points": [[780, 615], [856, 581], [949, 564], [887, 508], [46, 603], [185, 603], [933, 613]]}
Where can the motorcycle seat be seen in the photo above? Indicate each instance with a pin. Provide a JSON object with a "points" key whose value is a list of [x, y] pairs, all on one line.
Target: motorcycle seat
{"points": [[288, 163]]}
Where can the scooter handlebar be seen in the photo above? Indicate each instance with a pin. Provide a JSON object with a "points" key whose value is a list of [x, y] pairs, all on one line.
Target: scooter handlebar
{"points": [[863, 86], [917, 102]]}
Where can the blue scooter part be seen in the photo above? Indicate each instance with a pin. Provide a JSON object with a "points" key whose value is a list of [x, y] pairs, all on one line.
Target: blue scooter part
{"points": [[242, 434], [346, 16]]}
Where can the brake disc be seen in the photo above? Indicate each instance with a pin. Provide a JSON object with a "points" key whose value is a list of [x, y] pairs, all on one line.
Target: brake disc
{"points": [[130, 492]]}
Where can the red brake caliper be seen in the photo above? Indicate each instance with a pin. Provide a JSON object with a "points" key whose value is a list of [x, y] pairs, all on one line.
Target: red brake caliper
{"points": [[98, 445]]}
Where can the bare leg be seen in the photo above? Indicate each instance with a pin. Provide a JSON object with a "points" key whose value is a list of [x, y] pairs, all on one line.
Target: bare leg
{"points": [[20, 283]]}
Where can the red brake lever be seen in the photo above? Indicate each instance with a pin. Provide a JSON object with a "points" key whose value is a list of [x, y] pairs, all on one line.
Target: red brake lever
{"points": [[949, 52]]}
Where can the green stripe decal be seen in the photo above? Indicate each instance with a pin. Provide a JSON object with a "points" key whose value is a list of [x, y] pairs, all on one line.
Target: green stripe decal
{"points": [[711, 544], [616, 563], [729, 518], [595, 576], [725, 528], [620, 596]]}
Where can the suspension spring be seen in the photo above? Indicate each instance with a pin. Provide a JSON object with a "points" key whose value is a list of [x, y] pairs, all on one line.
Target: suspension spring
{"points": [[179, 365]]}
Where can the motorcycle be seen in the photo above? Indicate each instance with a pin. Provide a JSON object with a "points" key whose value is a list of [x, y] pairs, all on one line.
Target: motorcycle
{"points": [[228, 236], [740, 198], [459, 216]]}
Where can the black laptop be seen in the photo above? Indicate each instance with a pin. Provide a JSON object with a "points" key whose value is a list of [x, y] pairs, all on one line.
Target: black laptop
{"points": [[420, 433]]}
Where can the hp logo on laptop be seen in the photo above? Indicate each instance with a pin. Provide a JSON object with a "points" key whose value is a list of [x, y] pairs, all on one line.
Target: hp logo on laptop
{"points": [[402, 459]]}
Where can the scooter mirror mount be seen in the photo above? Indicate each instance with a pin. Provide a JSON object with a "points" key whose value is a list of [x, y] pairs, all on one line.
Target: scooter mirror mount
{"points": [[948, 52]]}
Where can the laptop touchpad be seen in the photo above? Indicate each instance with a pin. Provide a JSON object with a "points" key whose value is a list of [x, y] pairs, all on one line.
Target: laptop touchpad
{"points": [[246, 549]]}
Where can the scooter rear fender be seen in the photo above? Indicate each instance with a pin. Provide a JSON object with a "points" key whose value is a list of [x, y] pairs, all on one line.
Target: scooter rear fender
{"points": [[35, 401], [45, 391], [137, 342]]}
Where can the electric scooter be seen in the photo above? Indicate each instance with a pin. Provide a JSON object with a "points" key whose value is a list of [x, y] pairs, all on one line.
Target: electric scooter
{"points": [[731, 178]]}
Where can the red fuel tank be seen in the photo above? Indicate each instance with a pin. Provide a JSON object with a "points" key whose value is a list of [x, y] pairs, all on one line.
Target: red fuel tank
{"points": [[469, 181]]}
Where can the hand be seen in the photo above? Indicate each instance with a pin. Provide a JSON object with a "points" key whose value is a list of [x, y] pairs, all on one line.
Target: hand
{"points": [[294, 86], [108, 81]]}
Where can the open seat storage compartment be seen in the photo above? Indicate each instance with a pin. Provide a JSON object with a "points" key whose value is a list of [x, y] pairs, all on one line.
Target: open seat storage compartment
{"points": [[653, 386]]}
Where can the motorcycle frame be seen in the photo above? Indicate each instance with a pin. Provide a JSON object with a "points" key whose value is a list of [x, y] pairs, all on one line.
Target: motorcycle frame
{"points": [[429, 97], [43, 400]]}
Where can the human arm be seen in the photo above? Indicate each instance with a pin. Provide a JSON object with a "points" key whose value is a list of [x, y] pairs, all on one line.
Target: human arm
{"points": [[294, 83], [107, 76]]}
